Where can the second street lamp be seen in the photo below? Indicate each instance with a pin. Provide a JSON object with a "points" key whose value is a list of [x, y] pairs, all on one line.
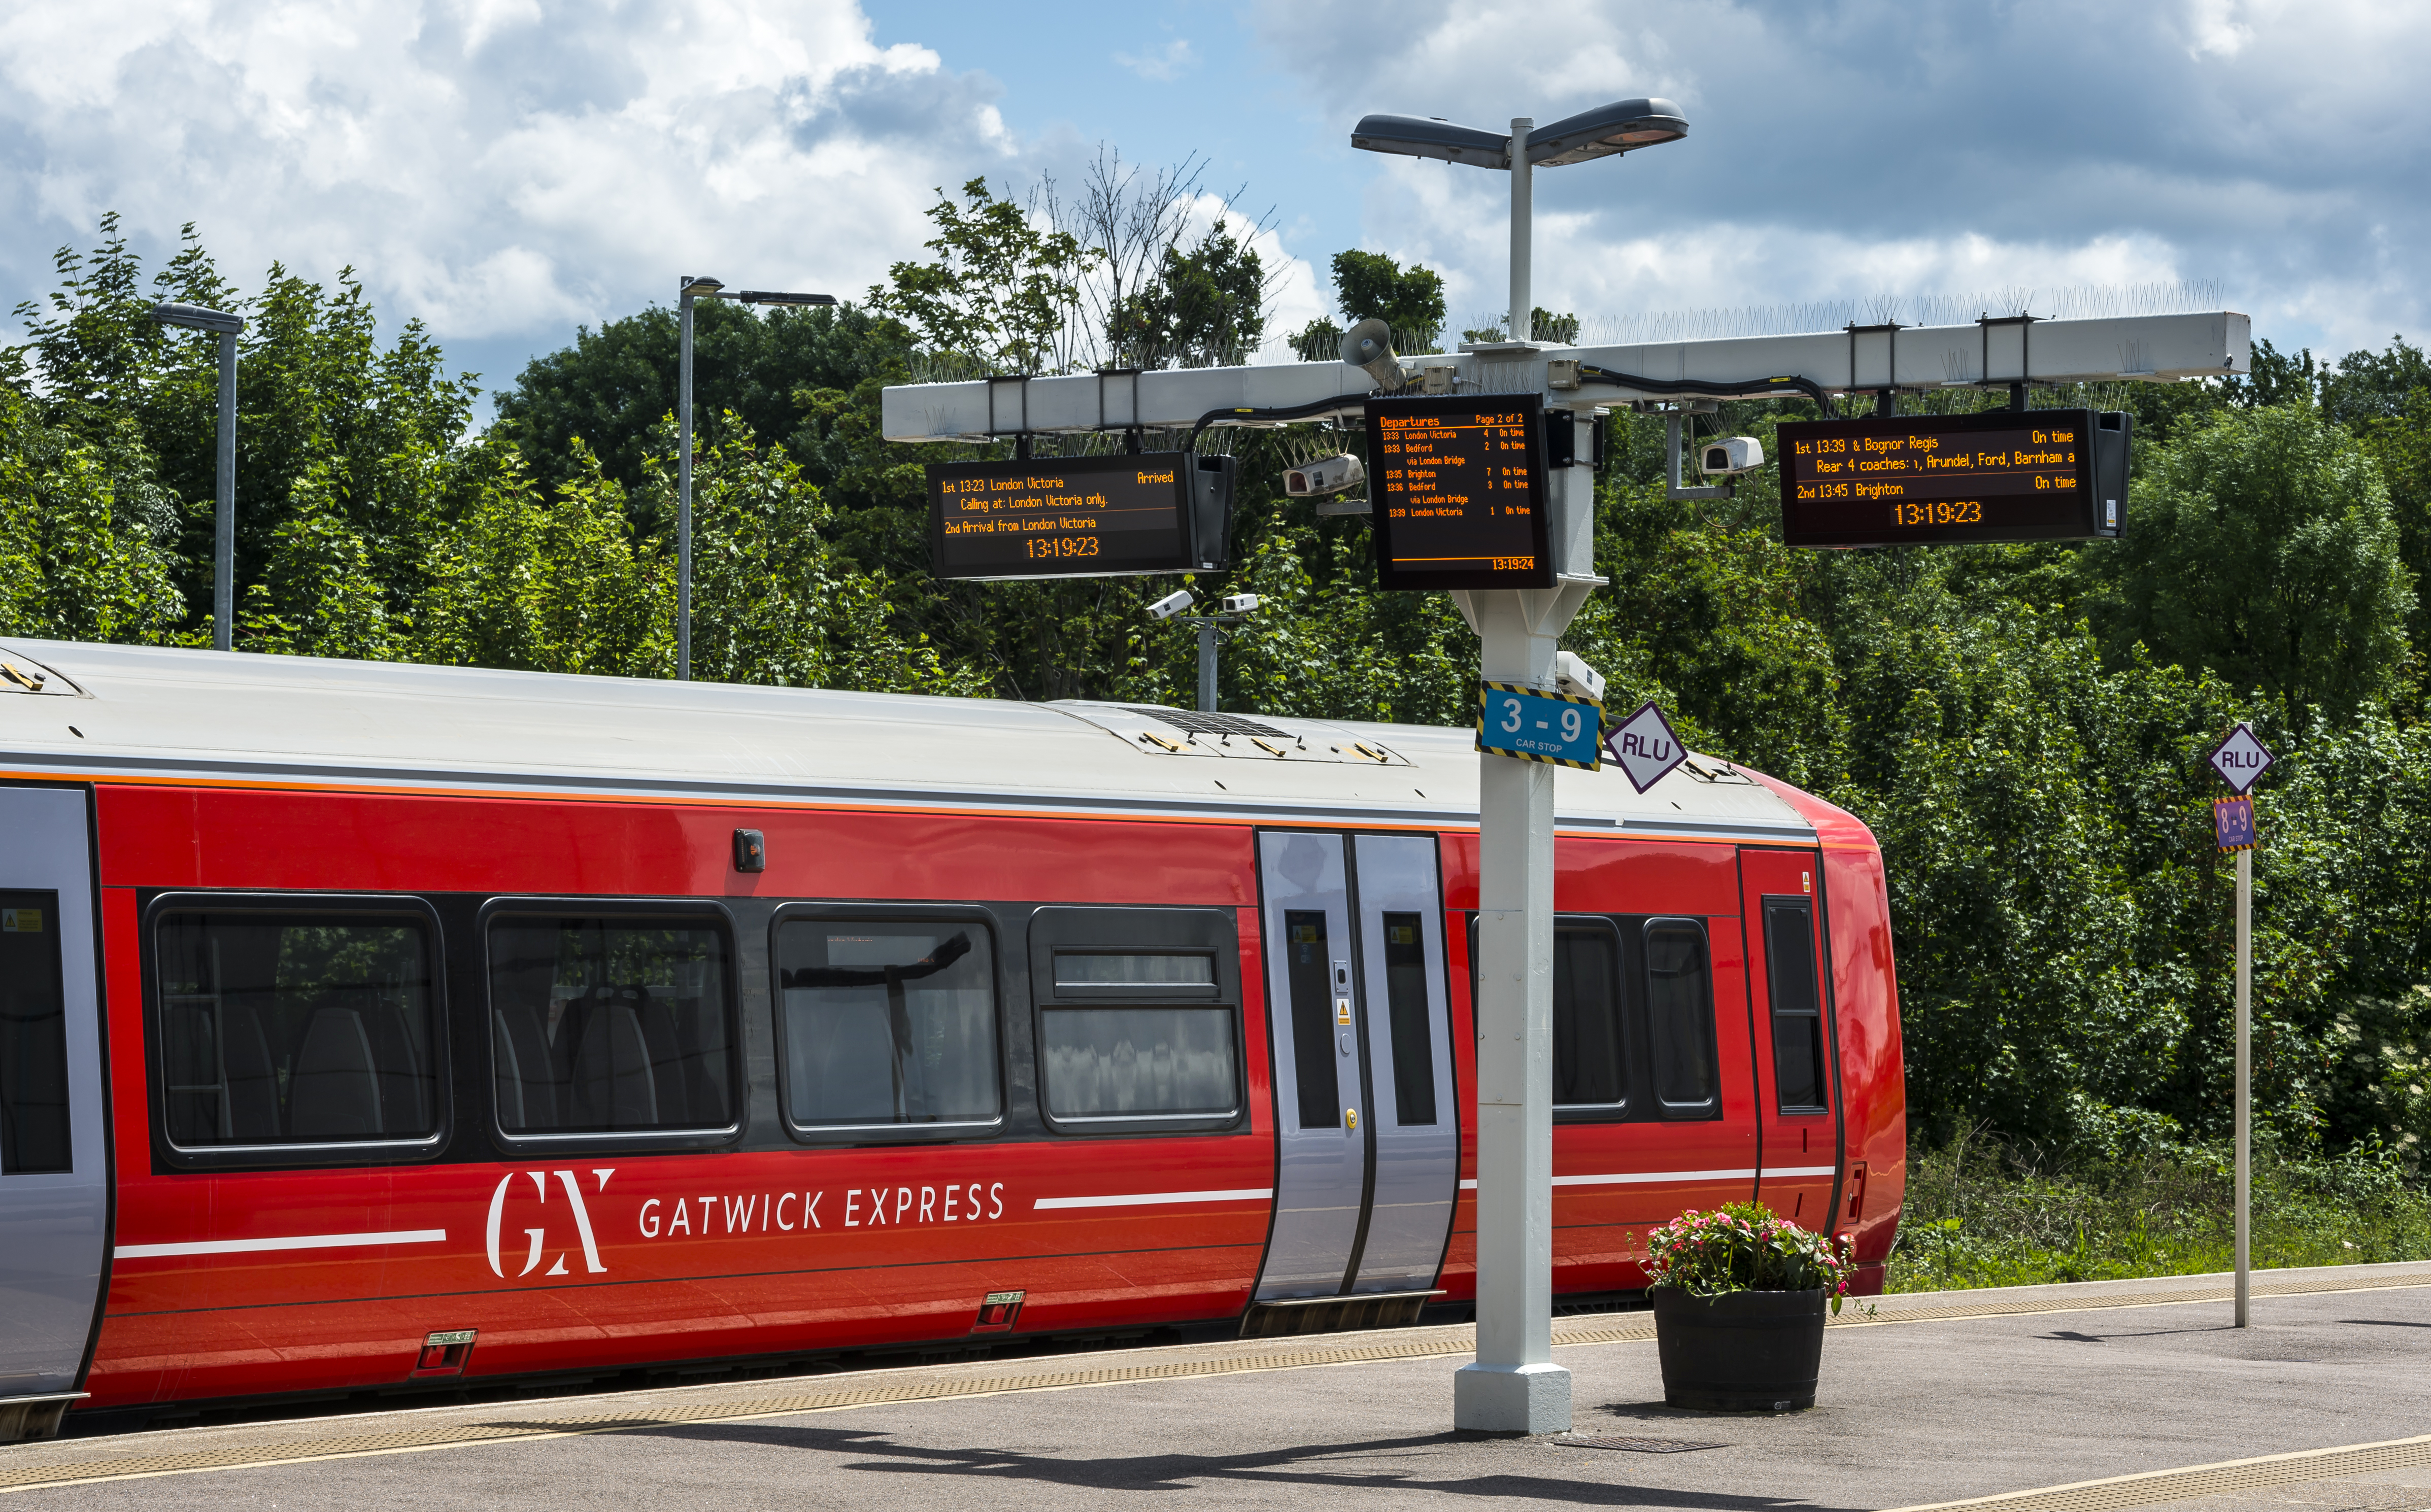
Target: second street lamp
{"points": [[691, 288], [226, 327]]}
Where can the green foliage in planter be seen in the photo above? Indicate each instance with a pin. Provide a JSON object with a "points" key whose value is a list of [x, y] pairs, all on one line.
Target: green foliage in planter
{"points": [[1743, 1247]]}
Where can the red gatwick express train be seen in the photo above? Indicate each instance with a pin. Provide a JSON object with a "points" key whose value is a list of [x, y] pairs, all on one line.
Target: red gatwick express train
{"points": [[364, 1025]]}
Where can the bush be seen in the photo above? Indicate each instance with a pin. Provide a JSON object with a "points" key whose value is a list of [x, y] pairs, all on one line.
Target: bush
{"points": [[1743, 1247]]}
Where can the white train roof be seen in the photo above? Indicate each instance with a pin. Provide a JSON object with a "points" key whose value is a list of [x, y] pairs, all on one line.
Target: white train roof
{"points": [[147, 712]]}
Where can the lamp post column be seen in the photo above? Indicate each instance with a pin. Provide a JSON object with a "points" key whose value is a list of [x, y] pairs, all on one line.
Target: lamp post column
{"points": [[1515, 1387], [1523, 215], [683, 489], [223, 527]]}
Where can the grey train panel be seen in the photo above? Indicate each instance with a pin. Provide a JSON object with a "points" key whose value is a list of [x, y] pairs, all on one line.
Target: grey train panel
{"points": [[1408, 1020], [54, 1192], [1320, 1178]]}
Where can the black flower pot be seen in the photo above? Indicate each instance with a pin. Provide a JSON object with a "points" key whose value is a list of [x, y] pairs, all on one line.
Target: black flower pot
{"points": [[1745, 1351]]}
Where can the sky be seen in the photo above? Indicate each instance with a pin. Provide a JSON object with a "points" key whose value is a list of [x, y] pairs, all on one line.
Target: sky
{"points": [[507, 171]]}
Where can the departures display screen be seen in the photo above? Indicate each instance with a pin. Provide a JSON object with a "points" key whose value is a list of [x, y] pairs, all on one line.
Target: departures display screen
{"points": [[1457, 493], [2006, 474], [1060, 517]]}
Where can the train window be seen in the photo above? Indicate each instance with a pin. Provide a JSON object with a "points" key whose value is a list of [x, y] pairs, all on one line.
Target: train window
{"points": [[1307, 968], [888, 1022], [1679, 1018], [33, 1036], [1138, 1020], [609, 1024], [1589, 1068], [1106, 970], [1798, 1060], [1414, 1044], [295, 1028], [1106, 1064]]}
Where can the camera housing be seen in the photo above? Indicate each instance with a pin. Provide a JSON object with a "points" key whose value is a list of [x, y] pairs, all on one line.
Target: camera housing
{"points": [[1337, 474], [1241, 603], [1177, 601], [1730, 455], [1572, 675]]}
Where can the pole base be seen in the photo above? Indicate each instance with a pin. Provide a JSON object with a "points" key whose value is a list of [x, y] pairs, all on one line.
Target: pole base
{"points": [[1511, 1399]]}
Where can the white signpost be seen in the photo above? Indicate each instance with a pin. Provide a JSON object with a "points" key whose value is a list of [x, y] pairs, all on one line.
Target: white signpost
{"points": [[1514, 1385], [2241, 760]]}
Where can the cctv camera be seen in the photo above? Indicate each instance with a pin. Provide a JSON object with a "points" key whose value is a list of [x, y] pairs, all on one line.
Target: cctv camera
{"points": [[1732, 454], [1241, 603], [1172, 604], [1576, 678], [1332, 475]]}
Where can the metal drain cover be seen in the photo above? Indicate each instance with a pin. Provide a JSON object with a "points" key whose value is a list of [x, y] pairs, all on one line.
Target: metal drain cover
{"points": [[1634, 1446]]}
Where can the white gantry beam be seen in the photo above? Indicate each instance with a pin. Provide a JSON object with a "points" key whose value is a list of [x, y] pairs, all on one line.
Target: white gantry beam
{"points": [[2157, 348]]}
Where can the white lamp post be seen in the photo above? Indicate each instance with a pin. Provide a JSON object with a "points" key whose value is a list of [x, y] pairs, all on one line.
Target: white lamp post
{"points": [[690, 288], [226, 327], [1514, 1386]]}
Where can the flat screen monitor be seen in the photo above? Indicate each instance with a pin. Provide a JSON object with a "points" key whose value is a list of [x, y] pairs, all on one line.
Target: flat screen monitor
{"points": [[1457, 492], [1060, 517], [2007, 474]]}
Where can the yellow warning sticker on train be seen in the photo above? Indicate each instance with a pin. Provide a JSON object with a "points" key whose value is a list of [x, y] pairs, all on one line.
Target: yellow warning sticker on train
{"points": [[21, 921]]}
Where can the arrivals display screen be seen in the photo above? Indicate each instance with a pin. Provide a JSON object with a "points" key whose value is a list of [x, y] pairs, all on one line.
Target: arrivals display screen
{"points": [[1457, 492], [2006, 474], [1060, 517]]}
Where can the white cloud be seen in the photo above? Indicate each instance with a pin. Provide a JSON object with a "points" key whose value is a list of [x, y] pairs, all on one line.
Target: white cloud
{"points": [[1163, 66], [1864, 146], [494, 166]]}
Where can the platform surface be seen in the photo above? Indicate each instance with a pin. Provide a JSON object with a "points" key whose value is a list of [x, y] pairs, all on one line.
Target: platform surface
{"points": [[2020, 1395]]}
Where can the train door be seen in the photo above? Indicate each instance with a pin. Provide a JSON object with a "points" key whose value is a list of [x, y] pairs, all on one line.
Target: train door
{"points": [[1369, 1134], [54, 1186], [1797, 1088]]}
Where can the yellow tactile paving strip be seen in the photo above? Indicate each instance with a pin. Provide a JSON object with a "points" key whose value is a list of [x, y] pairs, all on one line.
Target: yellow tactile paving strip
{"points": [[26, 1467], [2202, 1480]]}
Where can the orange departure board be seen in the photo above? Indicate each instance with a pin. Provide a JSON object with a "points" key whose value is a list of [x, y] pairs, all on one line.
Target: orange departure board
{"points": [[1060, 517], [2007, 474], [1457, 492]]}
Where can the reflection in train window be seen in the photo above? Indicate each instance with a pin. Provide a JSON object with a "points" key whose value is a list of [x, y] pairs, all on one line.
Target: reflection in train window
{"points": [[1589, 1070], [1104, 1065], [1680, 1013], [33, 1037], [1798, 1060], [294, 1029], [1097, 971], [614, 1024], [888, 1022]]}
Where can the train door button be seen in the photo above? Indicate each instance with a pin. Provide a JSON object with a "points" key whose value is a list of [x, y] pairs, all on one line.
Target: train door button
{"points": [[1350, 1118], [1344, 1038]]}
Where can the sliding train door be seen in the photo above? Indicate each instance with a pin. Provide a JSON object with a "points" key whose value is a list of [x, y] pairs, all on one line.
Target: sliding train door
{"points": [[54, 1186], [1369, 1133]]}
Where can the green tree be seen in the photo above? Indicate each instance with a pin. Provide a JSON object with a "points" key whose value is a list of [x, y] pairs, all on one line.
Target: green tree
{"points": [[85, 536], [1371, 286], [2262, 547], [1004, 293], [612, 388], [547, 580], [1206, 307]]}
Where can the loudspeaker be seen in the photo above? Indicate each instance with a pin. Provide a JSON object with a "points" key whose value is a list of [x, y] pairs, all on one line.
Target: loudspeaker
{"points": [[1368, 346]]}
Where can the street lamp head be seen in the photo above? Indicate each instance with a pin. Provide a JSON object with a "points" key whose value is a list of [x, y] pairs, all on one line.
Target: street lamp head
{"points": [[1412, 136], [700, 286], [194, 317], [1624, 125], [764, 296]]}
